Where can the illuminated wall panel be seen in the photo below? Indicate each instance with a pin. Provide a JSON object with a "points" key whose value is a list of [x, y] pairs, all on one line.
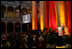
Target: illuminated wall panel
{"points": [[34, 15], [52, 15], [54, 20], [46, 22], [57, 14], [42, 9], [68, 14], [47, 4], [62, 15]]}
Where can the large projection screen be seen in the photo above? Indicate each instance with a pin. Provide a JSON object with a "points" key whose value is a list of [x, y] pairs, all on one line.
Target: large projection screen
{"points": [[26, 18]]}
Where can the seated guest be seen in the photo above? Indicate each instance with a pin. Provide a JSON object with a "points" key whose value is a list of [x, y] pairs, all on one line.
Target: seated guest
{"points": [[7, 44], [45, 30], [35, 41], [47, 44], [68, 46], [2, 46], [29, 40]]}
